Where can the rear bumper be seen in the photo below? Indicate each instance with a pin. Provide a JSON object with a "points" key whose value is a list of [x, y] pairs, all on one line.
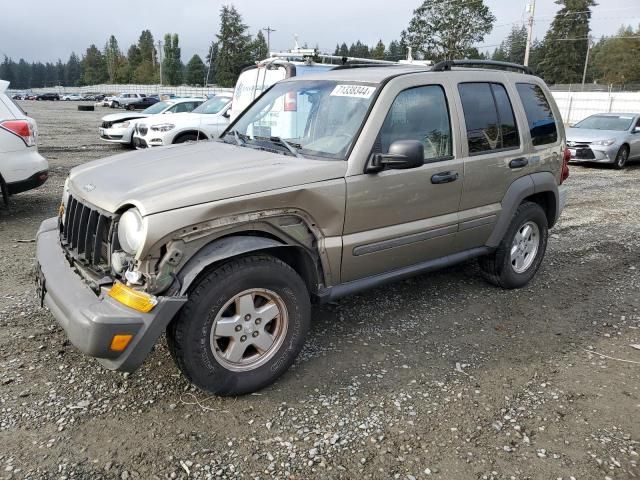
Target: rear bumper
{"points": [[34, 181], [90, 321]]}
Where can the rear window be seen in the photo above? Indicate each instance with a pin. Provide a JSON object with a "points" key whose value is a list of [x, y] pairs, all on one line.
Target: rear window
{"points": [[489, 118], [542, 124]]}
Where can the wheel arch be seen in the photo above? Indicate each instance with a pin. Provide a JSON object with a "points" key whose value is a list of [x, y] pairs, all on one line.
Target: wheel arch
{"points": [[240, 244], [540, 188], [198, 133]]}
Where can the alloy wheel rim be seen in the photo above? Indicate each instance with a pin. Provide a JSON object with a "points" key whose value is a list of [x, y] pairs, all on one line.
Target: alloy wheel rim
{"points": [[524, 248], [249, 329], [622, 158]]}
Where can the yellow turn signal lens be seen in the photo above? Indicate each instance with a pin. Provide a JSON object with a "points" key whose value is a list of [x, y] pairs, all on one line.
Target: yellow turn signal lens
{"points": [[120, 342], [139, 301]]}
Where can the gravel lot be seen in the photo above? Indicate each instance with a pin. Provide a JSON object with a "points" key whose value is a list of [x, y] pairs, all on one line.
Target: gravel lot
{"points": [[441, 376]]}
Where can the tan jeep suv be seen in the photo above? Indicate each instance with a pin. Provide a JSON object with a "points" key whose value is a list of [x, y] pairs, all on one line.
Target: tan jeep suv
{"points": [[326, 185]]}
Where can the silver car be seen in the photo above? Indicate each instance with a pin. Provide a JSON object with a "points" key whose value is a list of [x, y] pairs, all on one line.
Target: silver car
{"points": [[606, 138]]}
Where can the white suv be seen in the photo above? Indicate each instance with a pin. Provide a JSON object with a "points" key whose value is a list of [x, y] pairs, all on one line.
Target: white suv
{"points": [[206, 122], [21, 166]]}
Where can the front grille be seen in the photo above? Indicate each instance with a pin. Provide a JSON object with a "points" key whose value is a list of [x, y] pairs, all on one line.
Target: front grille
{"points": [[85, 234], [107, 124], [142, 130]]}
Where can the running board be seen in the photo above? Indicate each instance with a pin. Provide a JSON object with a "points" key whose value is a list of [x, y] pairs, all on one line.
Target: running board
{"points": [[345, 289]]}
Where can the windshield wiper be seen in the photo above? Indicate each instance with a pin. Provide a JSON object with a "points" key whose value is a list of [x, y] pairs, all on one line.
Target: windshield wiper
{"points": [[292, 147]]}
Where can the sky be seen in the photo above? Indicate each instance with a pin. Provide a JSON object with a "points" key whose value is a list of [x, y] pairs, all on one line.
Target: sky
{"points": [[48, 30]]}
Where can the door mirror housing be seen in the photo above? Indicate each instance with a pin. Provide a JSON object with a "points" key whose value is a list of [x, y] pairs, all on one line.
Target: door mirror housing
{"points": [[636, 130], [403, 154], [227, 114]]}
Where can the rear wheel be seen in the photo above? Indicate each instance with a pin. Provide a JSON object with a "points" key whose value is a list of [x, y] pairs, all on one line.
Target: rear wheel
{"points": [[519, 255], [130, 107], [621, 158], [242, 327]]}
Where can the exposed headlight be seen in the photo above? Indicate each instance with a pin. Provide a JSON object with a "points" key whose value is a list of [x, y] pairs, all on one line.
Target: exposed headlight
{"points": [[122, 124], [163, 127], [604, 143], [131, 231]]}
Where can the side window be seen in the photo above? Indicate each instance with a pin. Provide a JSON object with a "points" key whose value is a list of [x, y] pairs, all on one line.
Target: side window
{"points": [[542, 124], [182, 107], [422, 114], [489, 117]]}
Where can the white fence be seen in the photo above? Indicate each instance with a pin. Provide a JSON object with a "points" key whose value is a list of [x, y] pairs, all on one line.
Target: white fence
{"points": [[575, 106], [181, 91]]}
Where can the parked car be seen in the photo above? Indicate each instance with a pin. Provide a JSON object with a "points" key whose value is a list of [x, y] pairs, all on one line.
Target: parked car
{"points": [[606, 138], [125, 99], [105, 101], [72, 97], [48, 96], [31, 96], [142, 103], [22, 168], [225, 244], [118, 127], [19, 96], [204, 123]]}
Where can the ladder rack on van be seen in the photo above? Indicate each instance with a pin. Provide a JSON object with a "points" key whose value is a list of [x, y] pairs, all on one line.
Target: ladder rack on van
{"points": [[448, 64]]}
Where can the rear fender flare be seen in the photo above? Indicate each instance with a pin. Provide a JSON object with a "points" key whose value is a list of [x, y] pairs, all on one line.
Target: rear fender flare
{"points": [[518, 191]]}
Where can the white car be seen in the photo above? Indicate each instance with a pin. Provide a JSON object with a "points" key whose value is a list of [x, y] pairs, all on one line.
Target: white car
{"points": [[206, 122], [72, 97], [21, 166], [118, 127]]}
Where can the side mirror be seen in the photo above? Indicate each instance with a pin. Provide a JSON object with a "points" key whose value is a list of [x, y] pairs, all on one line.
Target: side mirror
{"points": [[403, 154], [227, 114], [636, 130]]}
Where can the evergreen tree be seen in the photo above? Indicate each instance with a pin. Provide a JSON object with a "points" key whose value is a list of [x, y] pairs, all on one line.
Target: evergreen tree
{"points": [[234, 47], [171, 64], [212, 58], [145, 71], [8, 71], [259, 49], [564, 47], [344, 50], [359, 50], [59, 72], [447, 30], [337, 50], [195, 71], [512, 49], [72, 71], [113, 58], [394, 52], [94, 67], [378, 51]]}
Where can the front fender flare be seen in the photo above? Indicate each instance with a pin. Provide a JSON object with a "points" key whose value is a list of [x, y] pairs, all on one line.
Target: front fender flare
{"points": [[222, 249]]}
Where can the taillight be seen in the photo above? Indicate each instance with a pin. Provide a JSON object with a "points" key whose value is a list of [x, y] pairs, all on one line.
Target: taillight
{"points": [[21, 128], [291, 102], [565, 165]]}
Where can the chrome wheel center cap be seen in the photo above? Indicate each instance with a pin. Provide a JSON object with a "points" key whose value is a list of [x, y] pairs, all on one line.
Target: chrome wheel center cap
{"points": [[248, 329]]}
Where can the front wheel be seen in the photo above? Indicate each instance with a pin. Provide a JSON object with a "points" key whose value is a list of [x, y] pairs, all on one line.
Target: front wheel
{"points": [[519, 255], [242, 327], [621, 158], [130, 107]]}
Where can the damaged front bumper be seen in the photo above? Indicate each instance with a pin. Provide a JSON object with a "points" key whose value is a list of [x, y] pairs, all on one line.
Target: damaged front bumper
{"points": [[91, 321]]}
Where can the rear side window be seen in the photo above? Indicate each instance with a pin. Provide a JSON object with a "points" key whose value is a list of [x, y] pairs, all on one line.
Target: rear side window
{"points": [[489, 118], [542, 124], [422, 114]]}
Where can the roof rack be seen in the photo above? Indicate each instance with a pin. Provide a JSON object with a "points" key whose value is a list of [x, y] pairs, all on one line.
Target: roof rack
{"points": [[448, 64]]}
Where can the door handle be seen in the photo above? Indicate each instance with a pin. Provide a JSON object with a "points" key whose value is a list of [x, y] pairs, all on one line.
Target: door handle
{"points": [[519, 162], [444, 177]]}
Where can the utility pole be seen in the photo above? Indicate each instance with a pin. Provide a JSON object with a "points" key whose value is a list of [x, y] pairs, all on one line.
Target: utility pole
{"points": [[269, 30], [160, 59], [586, 60], [532, 11]]}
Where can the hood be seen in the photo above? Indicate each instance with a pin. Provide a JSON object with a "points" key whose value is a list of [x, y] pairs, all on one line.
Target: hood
{"points": [[159, 179], [588, 135], [175, 117], [121, 117]]}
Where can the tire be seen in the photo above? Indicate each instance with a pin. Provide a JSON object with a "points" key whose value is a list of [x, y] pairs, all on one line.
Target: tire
{"points": [[187, 137], [503, 270], [4, 192], [130, 107], [115, 105], [621, 158], [86, 108], [208, 360]]}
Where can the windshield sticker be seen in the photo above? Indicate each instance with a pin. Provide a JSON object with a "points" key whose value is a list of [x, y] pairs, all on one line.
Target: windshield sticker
{"points": [[357, 91]]}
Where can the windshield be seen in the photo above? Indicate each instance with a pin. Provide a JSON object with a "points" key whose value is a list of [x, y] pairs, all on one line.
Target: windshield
{"points": [[212, 106], [606, 122], [157, 108], [316, 117]]}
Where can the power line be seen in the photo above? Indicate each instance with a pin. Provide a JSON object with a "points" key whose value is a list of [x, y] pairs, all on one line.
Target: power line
{"points": [[269, 31]]}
